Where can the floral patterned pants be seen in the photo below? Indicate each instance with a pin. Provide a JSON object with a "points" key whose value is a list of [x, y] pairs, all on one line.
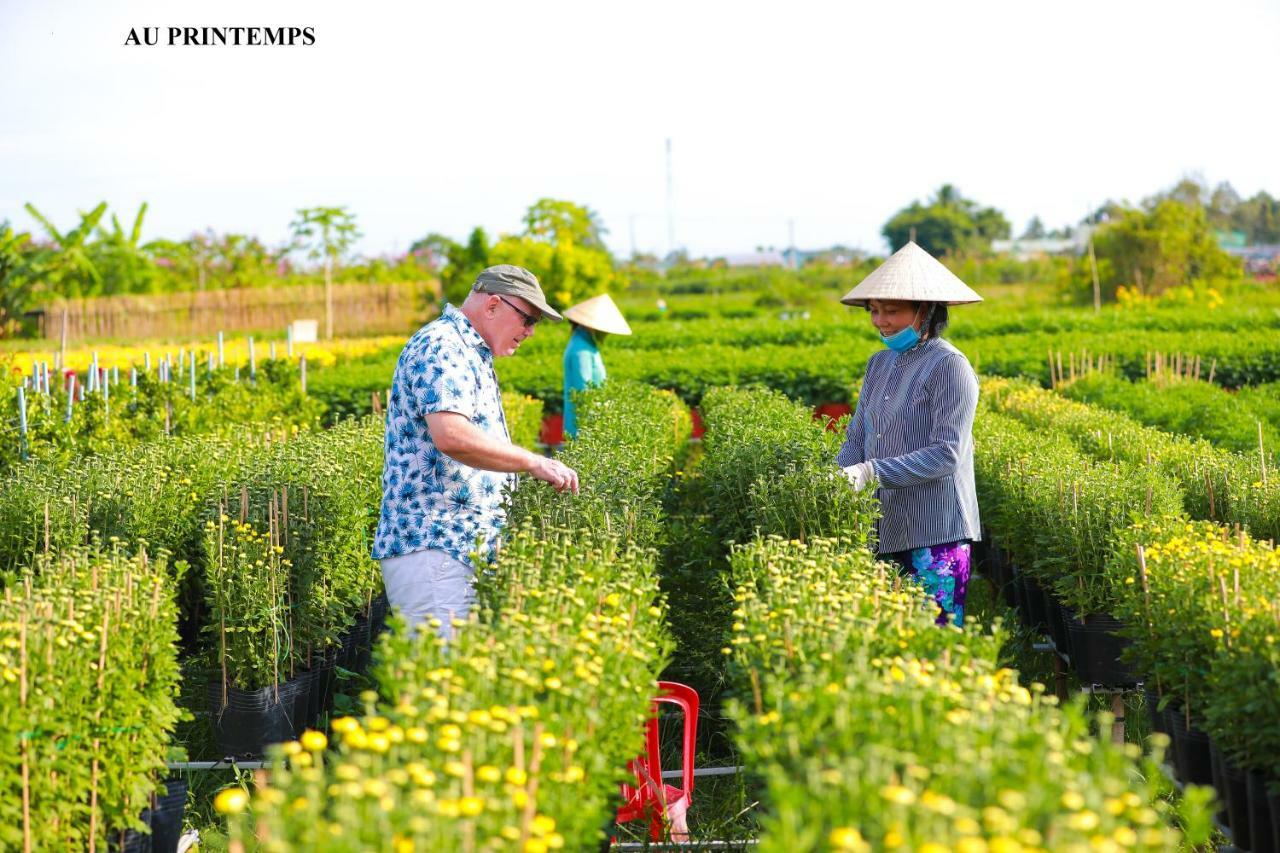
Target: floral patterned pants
{"points": [[943, 570]]}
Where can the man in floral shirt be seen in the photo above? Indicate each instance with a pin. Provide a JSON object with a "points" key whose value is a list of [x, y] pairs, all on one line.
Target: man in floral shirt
{"points": [[449, 458]]}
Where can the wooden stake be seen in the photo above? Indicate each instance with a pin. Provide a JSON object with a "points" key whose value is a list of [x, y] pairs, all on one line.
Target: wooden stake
{"points": [[1117, 725]]}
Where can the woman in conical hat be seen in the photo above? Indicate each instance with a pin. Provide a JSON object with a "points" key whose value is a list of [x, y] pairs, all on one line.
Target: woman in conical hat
{"points": [[911, 435], [583, 367]]}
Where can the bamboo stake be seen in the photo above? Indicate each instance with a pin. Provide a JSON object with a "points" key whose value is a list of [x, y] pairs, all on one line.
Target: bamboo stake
{"points": [[97, 742], [222, 616], [22, 700], [535, 764], [1262, 456]]}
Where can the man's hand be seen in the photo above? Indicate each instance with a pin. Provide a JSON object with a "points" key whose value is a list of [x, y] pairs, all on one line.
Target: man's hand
{"points": [[860, 475], [559, 475]]}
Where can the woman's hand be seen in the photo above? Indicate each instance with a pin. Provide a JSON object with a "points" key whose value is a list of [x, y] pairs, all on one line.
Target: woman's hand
{"points": [[860, 475]]}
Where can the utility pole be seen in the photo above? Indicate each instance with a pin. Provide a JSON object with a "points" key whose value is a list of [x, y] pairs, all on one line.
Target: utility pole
{"points": [[632, 220], [791, 242], [671, 215]]}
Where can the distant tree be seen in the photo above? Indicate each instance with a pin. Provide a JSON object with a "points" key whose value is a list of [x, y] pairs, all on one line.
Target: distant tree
{"points": [[1034, 230], [556, 221], [1189, 190], [1170, 245], [17, 286], [949, 223], [562, 244], [326, 233], [464, 261], [1223, 202], [1108, 211], [1259, 218], [433, 250]]}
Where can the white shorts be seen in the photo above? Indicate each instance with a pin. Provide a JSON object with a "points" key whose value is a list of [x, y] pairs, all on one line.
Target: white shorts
{"points": [[429, 584]]}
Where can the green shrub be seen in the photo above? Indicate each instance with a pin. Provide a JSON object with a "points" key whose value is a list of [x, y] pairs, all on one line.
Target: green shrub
{"points": [[89, 675]]}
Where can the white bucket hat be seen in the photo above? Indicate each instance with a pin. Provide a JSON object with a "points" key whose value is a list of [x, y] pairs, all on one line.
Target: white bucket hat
{"points": [[912, 275], [599, 313]]}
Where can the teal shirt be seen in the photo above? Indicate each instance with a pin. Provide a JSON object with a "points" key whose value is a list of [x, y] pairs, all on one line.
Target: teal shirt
{"points": [[583, 367]]}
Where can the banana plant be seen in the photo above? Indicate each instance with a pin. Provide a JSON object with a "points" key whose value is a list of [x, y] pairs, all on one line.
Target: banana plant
{"points": [[127, 264], [16, 283], [66, 265]]}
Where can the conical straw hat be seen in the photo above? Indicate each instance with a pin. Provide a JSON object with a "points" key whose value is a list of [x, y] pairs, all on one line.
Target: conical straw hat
{"points": [[914, 275], [599, 313]]}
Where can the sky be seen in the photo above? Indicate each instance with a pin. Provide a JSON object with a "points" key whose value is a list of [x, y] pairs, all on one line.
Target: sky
{"points": [[820, 119]]}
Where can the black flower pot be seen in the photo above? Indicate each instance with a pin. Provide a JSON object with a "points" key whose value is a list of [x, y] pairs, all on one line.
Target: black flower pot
{"points": [[163, 818], [1273, 808], [1237, 796], [1219, 781], [130, 840], [1055, 628], [321, 687], [1096, 645], [980, 557], [378, 615], [1052, 611], [355, 644], [252, 719], [1059, 617], [1190, 750], [301, 716], [1006, 573], [1154, 715], [166, 816], [1261, 829], [1037, 610], [1020, 596]]}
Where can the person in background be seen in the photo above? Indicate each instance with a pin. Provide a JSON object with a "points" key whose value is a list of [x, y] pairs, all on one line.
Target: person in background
{"points": [[911, 435], [583, 366], [449, 458]]}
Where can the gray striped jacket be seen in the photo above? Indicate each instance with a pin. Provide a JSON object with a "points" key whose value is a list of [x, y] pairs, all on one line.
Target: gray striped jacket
{"points": [[914, 420]]}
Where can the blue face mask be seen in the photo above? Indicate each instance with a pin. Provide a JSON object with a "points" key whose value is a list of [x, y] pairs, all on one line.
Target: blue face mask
{"points": [[903, 340]]}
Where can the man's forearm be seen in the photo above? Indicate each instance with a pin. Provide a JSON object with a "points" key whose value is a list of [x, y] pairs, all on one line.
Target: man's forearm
{"points": [[469, 445]]}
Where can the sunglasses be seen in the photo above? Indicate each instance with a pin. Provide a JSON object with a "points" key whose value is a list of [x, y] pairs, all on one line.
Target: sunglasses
{"points": [[529, 319]]}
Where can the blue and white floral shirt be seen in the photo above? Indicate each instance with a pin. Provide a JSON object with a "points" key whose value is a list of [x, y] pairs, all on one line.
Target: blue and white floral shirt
{"points": [[429, 500]]}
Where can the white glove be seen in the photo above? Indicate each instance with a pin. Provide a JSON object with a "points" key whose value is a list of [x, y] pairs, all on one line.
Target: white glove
{"points": [[860, 475]]}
